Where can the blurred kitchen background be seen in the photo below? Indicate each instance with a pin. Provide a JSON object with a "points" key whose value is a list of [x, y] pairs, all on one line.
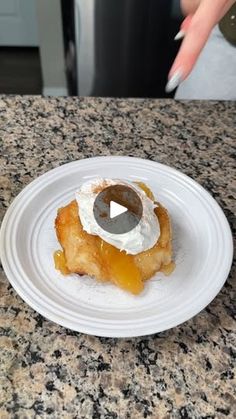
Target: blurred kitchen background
{"points": [[87, 47]]}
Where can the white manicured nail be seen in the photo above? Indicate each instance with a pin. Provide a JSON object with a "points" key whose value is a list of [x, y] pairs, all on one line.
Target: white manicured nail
{"points": [[180, 35], [174, 81]]}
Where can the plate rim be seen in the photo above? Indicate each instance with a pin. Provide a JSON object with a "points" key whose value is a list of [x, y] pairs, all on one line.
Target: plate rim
{"points": [[103, 332]]}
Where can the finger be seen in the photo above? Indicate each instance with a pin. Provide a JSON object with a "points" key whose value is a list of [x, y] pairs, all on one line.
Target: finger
{"points": [[187, 21], [206, 16], [183, 28], [189, 6], [226, 8]]}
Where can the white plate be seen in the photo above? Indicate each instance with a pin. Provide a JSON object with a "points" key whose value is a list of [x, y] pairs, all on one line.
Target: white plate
{"points": [[202, 251]]}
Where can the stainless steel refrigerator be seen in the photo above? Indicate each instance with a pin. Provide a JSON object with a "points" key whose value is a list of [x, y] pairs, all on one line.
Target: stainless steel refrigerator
{"points": [[120, 48]]}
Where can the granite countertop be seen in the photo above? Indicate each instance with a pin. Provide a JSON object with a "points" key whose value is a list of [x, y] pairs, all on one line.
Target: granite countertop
{"points": [[51, 372]]}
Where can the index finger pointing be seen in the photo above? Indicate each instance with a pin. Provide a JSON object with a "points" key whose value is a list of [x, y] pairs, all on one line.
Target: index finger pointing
{"points": [[207, 15]]}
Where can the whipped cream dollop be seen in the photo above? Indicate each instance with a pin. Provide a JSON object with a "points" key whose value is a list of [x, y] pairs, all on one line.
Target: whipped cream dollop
{"points": [[142, 237]]}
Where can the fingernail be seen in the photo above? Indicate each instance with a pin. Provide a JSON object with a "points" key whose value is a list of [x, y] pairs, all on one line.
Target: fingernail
{"points": [[174, 81], [180, 35]]}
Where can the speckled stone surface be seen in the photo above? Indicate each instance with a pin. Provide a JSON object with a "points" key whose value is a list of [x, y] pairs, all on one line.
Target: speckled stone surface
{"points": [[48, 371]]}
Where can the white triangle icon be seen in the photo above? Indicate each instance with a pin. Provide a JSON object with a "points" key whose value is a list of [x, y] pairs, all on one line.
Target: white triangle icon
{"points": [[116, 209]]}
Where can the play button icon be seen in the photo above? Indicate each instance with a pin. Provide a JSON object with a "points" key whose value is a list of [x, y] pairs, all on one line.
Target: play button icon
{"points": [[118, 209]]}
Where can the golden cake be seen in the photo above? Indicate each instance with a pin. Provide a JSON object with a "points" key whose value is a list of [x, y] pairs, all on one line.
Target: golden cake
{"points": [[89, 254]]}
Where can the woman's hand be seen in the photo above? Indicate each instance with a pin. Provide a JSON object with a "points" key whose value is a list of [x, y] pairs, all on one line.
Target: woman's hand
{"points": [[203, 15]]}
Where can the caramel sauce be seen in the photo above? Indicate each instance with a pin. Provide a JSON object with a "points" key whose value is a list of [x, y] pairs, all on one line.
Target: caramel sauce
{"points": [[147, 191], [60, 262], [122, 268]]}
